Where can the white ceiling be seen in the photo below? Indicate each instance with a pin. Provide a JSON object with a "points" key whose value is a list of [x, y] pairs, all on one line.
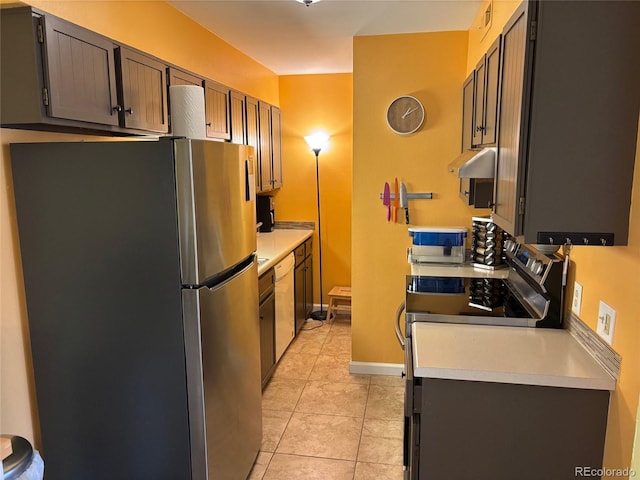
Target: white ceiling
{"points": [[289, 38]]}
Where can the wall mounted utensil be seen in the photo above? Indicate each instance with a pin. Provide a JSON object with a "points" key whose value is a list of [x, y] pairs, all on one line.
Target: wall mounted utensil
{"points": [[386, 200], [404, 203]]}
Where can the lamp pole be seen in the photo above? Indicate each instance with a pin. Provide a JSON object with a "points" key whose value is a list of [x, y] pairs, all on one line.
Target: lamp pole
{"points": [[317, 141], [319, 315]]}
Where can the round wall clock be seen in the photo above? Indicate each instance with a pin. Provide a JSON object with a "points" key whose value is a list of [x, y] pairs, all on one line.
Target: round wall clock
{"points": [[405, 115]]}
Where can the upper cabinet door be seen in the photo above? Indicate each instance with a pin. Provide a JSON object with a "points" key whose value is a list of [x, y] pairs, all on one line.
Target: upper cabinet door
{"points": [[485, 106], [144, 91], [276, 146], [508, 196], [491, 88], [253, 138], [264, 135], [178, 77], [238, 119], [467, 112], [80, 71], [216, 104], [479, 105]]}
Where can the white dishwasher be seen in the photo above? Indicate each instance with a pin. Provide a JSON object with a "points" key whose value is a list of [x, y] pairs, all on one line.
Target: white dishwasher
{"points": [[285, 321]]}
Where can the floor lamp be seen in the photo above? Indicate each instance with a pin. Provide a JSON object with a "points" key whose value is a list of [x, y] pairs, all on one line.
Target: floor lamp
{"points": [[317, 141]]}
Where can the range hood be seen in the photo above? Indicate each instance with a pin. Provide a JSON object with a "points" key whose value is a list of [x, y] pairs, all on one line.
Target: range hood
{"points": [[475, 164]]}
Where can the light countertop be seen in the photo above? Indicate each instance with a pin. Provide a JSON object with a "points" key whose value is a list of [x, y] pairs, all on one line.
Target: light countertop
{"points": [[277, 244], [529, 356]]}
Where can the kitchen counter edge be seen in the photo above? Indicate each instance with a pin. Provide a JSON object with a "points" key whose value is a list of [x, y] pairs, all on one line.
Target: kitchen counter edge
{"points": [[517, 355], [277, 244]]}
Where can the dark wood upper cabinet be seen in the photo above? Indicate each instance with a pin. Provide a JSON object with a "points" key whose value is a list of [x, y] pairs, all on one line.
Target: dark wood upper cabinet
{"points": [[80, 71], [568, 122], [276, 147], [252, 139], [55, 75], [238, 118], [264, 140], [491, 93], [486, 89], [178, 77], [143, 91], [216, 104], [468, 91]]}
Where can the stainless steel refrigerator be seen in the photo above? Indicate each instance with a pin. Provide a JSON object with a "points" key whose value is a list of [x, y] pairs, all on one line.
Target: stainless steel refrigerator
{"points": [[142, 298]]}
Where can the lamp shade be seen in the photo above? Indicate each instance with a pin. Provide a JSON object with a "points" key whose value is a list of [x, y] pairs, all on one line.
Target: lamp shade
{"points": [[317, 140]]}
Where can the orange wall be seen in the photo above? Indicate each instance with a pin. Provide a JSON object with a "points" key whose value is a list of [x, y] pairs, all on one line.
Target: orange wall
{"points": [[431, 67], [319, 102], [170, 36]]}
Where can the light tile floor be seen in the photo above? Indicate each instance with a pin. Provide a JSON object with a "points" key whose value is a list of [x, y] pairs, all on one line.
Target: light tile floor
{"points": [[321, 422]]}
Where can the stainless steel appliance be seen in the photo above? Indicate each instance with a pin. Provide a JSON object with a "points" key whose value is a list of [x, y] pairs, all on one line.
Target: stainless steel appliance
{"points": [[529, 293], [142, 297]]}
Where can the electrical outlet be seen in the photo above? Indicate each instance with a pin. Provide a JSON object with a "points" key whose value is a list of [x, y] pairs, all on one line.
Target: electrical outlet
{"points": [[577, 298], [606, 322]]}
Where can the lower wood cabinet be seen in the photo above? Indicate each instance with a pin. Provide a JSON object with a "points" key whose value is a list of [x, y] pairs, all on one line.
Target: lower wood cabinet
{"points": [[303, 283], [502, 431], [266, 284]]}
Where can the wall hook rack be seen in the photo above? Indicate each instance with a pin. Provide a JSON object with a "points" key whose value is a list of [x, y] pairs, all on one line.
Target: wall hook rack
{"points": [[411, 196]]}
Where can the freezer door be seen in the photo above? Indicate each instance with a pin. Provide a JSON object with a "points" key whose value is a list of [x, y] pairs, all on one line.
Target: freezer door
{"points": [[223, 365], [216, 206]]}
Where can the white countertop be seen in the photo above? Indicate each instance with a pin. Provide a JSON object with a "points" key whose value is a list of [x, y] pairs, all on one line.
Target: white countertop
{"points": [[277, 244], [529, 356]]}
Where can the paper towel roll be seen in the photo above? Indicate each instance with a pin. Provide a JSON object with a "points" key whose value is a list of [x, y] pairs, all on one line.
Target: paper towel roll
{"points": [[187, 111]]}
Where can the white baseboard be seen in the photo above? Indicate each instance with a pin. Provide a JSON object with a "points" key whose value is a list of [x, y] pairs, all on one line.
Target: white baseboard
{"points": [[371, 368]]}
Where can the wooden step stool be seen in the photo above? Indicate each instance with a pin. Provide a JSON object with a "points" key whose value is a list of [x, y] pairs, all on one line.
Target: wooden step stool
{"points": [[339, 301]]}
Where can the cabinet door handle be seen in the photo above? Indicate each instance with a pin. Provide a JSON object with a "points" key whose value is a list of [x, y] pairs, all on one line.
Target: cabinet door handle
{"points": [[129, 111], [208, 124], [479, 128], [117, 108]]}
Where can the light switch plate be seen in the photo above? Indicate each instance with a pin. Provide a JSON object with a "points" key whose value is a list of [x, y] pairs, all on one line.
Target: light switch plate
{"points": [[606, 322], [576, 304]]}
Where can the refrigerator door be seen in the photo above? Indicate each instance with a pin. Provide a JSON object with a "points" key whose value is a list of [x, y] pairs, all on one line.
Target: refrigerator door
{"points": [[216, 206], [222, 334], [97, 224]]}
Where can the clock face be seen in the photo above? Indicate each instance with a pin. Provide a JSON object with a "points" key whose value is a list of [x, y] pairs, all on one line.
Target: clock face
{"points": [[405, 115]]}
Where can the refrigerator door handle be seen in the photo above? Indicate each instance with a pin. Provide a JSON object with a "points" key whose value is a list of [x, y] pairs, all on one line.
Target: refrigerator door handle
{"points": [[399, 336], [249, 263]]}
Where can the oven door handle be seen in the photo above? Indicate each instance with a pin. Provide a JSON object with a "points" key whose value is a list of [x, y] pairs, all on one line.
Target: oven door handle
{"points": [[401, 338]]}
